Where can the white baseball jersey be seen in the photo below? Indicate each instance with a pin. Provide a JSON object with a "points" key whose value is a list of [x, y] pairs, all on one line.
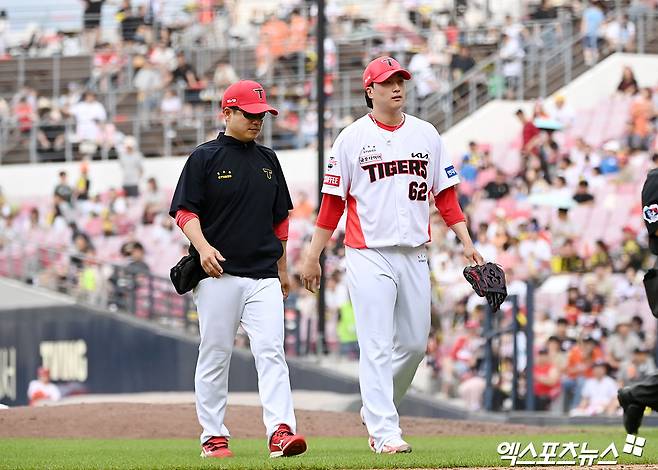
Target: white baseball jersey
{"points": [[386, 178]]}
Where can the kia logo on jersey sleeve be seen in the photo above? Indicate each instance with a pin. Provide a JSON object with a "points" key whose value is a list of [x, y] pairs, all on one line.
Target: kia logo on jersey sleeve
{"points": [[332, 180], [450, 171]]}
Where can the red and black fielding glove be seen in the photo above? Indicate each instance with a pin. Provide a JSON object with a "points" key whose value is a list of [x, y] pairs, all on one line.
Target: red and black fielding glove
{"points": [[488, 280]]}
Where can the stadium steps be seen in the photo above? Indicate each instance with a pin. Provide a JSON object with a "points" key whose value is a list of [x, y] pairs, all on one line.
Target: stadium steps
{"points": [[38, 74]]}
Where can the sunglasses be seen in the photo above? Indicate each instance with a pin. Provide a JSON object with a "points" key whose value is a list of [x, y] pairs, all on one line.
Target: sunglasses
{"points": [[250, 116]]}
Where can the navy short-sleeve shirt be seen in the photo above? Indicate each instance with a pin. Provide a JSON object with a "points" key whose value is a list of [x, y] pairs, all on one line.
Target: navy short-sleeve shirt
{"points": [[239, 193]]}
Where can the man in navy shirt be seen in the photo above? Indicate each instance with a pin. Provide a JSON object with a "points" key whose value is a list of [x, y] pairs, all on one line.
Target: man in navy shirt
{"points": [[232, 203]]}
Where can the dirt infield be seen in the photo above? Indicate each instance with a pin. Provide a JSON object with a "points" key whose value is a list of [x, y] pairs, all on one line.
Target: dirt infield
{"points": [[151, 421]]}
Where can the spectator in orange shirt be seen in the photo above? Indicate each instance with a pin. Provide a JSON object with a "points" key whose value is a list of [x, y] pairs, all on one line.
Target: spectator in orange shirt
{"points": [[304, 208], [298, 32], [272, 45], [641, 115], [580, 361]]}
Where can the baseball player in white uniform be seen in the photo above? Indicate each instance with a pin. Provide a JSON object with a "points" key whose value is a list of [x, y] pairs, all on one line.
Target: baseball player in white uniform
{"points": [[385, 167]]}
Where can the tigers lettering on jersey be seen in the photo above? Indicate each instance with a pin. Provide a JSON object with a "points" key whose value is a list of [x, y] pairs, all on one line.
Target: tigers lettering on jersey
{"points": [[382, 170]]}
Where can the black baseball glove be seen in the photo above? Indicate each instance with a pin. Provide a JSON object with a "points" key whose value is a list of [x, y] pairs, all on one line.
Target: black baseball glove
{"points": [[187, 273], [488, 280]]}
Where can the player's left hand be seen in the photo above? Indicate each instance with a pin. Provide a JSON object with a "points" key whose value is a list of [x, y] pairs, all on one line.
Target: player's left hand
{"points": [[472, 255], [285, 283]]}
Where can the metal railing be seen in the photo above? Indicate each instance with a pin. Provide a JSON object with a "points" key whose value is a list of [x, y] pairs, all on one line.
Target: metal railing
{"points": [[118, 288], [17, 73], [114, 287], [544, 70], [160, 135]]}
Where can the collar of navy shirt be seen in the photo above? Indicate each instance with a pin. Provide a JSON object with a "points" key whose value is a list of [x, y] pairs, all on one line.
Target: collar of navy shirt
{"points": [[233, 142]]}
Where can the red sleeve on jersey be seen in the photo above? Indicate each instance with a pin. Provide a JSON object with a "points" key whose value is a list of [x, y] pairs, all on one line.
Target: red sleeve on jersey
{"points": [[281, 229], [448, 205], [183, 216], [331, 210]]}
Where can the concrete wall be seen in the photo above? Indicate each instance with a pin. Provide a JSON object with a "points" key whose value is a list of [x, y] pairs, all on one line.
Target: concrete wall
{"points": [[25, 181]]}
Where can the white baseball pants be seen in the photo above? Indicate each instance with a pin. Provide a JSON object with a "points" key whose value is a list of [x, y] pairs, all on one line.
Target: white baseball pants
{"points": [[223, 304], [390, 292]]}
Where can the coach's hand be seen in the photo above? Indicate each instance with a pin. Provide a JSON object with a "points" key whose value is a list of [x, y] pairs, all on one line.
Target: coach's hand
{"points": [[285, 283], [210, 259], [310, 274], [472, 255]]}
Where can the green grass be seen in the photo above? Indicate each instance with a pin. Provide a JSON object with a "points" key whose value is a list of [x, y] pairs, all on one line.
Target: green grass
{"points": [[323, 453]]}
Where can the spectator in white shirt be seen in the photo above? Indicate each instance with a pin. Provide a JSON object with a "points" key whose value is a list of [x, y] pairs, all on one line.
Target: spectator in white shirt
{"points": [[424, 77], [171, 106], [622, 343], [599, 395], [149, 82], [512, 55], [42, 389], [620, 34], [514, 30], [88, 114], [484, 246], [131, 161], [559, 111]]}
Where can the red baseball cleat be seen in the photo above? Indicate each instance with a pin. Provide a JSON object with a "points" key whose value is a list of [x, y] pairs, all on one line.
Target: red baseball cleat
{"points": [[216, 447], [284, 443]]}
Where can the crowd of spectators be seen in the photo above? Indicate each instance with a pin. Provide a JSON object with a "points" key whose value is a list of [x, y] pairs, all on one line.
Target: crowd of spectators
{"points": [[593, 340], [154, 53]]}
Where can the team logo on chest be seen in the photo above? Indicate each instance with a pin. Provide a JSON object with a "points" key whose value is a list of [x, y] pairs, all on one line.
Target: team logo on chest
{"points": [[369, 154], [224, 175], [268, 173]]}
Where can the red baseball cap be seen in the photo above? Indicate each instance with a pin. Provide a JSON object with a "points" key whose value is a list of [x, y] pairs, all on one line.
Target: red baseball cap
{"points": [[248, 96], [380, 69]]}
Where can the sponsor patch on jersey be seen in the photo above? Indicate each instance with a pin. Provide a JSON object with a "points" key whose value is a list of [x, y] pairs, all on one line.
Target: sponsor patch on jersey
{"points": [[332, 162], [450, 171], [369, 154], [332, 180], [422, 257], [650, 213], [424, 156]]}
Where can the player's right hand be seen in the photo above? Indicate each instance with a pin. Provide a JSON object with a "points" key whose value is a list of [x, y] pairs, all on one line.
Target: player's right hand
{"points": [[210, 259], [310, 275]]}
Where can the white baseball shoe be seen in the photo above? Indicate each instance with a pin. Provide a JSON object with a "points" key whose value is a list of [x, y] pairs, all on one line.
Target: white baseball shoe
{"points": [[393, 446]]}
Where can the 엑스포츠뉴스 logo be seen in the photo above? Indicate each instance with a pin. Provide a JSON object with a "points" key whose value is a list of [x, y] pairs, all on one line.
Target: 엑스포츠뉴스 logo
{"points": [[568, 453]]}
